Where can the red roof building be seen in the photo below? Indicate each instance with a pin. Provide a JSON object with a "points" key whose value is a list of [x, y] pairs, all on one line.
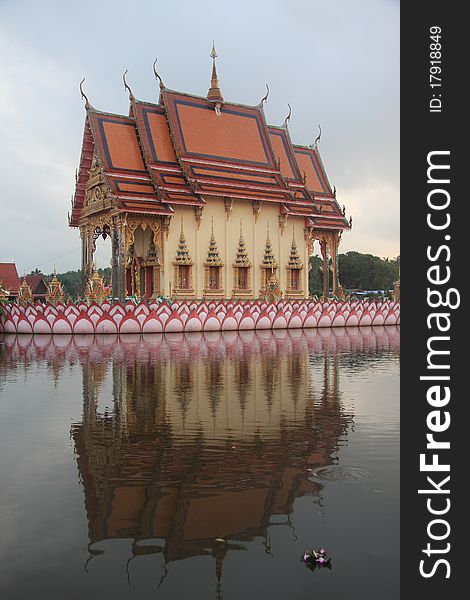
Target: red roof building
{"points": [[192, 161], [9, 280], [38, 286]]}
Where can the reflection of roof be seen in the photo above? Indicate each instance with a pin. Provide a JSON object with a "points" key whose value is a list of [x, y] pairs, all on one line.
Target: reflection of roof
{"points": [[185, 150], [9, 277]]}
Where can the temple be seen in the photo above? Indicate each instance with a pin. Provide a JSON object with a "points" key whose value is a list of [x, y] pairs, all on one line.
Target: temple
{"points": [[195, 194]]}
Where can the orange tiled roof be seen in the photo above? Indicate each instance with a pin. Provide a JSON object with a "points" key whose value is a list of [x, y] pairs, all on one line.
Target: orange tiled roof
{"points": [[118, 147], [159, 154], [182, 151]]}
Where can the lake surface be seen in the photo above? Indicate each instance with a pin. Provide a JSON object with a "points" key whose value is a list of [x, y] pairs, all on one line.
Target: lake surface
{"points": [[200, 465]]}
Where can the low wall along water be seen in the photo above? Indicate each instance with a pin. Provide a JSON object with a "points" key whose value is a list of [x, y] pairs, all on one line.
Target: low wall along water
{"points": [[190, 316]]}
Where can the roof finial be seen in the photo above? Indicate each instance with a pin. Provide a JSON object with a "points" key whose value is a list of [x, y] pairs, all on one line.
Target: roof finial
{"points": [[157, 76], [317, 140], [265, 98], [214, 51], [287, 119], [214, 94], [87, 104], [126, 86]]}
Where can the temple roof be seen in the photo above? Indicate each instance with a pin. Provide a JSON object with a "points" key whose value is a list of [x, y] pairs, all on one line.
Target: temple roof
{"points": [[188, 148], [117, 144], [37, 283], [9, 277]]}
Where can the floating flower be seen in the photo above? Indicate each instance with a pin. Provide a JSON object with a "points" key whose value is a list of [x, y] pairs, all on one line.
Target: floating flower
{"points": [[316, 558]]}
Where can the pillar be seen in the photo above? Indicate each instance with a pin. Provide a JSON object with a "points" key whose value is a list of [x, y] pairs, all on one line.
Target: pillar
{"points": [[114, 260], [324, 253], [83, 238], [306, 266], [90, 244], [283, 284], [227, 294], [119, 265], [197, 278], [334, 262], [255, 268]]}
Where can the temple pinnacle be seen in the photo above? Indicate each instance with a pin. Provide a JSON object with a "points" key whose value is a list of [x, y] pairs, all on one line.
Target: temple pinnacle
{"points": [[214, 94]]}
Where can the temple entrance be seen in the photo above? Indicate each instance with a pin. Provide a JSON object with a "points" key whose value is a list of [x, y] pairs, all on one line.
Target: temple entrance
{"points": [[143, 266], [102, 253]]}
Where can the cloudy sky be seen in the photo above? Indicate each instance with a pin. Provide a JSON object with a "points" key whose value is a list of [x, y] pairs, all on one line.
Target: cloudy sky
{"points": [[336, 63]]}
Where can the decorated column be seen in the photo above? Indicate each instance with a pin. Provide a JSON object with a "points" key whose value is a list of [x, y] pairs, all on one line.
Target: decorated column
{"points": [[114, 260], [324, 253], [84, 261], [334, 243]]}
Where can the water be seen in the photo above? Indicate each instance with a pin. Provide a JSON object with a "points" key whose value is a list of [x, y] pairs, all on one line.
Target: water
{"points": [[200, 466]]}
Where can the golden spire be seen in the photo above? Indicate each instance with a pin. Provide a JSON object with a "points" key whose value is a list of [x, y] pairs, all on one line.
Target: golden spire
{"points": [[268, 259], [241, 259], [214, 94], [294, 258], [182, 253], [25, 294], [213, 257], [55, 291]]}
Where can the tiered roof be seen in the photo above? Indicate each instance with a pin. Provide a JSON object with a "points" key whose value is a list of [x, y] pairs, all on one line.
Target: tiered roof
{"points": [[242, 259], [213, 257], [9, 277], [294, 258], [268, 259], [182, 253], [187, 148]]}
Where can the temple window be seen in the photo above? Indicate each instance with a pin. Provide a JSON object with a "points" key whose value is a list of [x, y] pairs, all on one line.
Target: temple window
{"points": [[213, 269], [294, 279], [183, 268], [242, 282], [183, 277], [241, 269], [294, 269], [268, 268]]}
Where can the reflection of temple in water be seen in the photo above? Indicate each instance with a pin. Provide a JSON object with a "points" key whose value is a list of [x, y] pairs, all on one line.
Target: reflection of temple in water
{"points": [[188, 439], [203, 443]]}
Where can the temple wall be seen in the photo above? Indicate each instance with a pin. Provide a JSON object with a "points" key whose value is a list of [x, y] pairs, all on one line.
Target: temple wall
{"points": [[227, 235]]}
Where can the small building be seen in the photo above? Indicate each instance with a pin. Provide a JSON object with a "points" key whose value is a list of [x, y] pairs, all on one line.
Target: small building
{"points": [[9, 281], [200, 197], [38, 286]]}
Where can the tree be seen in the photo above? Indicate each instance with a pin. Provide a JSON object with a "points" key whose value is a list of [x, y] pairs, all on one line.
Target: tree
{"points": [[367, 272], [72, 281]]}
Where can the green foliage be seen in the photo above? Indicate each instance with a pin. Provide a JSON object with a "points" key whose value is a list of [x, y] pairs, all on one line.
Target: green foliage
{"points": [[315, 276], [72, 281], [357, 271], [2, 310], [367, 272]]}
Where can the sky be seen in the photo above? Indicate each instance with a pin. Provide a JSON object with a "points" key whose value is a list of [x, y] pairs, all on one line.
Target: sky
{"points": [[336, 63]]}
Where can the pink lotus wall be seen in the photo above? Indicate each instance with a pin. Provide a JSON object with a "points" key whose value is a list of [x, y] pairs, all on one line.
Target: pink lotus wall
{"points": [[194, 316]]}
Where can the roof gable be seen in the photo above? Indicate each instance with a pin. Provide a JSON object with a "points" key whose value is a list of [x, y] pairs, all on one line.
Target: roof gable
{"points": [[37, 283], [9, 277], [238, 135], [116, 138], [159, 154], [309, 163], [283, 152]]}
